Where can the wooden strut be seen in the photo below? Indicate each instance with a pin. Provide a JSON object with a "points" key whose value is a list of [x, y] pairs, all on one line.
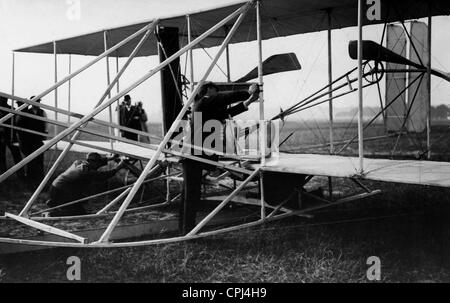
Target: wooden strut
{"points": [[108, 78], [360, 89], [241, 12], [262, 130], [47, 228]]}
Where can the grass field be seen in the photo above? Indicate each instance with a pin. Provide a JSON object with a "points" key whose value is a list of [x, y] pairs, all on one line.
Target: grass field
{"points": [[407, 227]]}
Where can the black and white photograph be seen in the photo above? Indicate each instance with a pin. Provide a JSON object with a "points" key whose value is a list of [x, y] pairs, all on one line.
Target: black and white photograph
{"points": [[265, 142]]}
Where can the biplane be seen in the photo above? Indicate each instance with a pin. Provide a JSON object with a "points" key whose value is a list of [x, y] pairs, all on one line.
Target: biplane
{"points": [[239, 21]]}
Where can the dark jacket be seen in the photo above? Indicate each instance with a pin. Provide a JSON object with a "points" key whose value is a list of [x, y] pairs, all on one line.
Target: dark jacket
{"points": [[219, 107], [79, 176], [27, 138], [130, 117]]}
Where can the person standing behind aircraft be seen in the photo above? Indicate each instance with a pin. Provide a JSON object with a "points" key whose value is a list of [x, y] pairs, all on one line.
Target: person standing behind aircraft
{"points": [[129, 117], [143, 120], [30, 142], [8, 140]]}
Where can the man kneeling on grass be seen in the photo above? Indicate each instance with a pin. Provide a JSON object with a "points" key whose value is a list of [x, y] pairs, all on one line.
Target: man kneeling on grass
{"points": [[72, 184]]}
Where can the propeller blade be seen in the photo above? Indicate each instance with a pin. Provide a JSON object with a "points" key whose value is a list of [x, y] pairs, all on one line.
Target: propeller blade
{"points": [[377, 52], [274, 64], [374, 51]]}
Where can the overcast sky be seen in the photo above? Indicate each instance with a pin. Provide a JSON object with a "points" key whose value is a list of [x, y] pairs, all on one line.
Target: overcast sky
{"points": [[28, 22]]}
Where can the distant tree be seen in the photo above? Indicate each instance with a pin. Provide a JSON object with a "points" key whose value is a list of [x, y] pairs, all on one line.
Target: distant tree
{"points": [[440, 112]]}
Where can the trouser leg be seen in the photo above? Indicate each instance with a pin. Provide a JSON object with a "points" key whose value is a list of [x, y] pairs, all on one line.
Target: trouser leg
{"points": [[192, 175], [35, 168], [17, 157]]}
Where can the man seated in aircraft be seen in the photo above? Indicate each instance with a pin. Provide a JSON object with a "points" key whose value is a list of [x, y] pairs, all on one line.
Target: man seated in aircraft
{"points": [[8, 138], [75, 182], [129, 117], [211, 105]]}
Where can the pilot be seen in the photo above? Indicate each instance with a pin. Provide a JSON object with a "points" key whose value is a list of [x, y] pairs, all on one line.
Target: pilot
{"points": [[76, 180], [212, 105]]}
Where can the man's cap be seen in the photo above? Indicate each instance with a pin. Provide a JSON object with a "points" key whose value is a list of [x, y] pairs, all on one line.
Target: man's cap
{"points": [[96, 158], [127, 98]]}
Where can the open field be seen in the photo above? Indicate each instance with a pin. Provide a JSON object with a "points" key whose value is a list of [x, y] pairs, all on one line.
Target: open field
{"points": [[407, 227]]}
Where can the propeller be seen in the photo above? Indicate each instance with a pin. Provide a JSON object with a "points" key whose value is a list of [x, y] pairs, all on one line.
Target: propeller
{"points": [[274, 64], [374, 51]]}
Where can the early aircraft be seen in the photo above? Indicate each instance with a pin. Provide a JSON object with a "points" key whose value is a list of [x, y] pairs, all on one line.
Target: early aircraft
{"points": [[271, 172]]}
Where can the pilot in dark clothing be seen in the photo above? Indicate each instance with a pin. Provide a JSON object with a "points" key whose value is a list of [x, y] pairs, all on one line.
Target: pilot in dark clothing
{"points": [[75, 181], [8, 138], [30, 142], [213, 105]]}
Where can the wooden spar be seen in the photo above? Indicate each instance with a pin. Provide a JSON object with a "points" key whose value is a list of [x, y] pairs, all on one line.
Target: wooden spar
{"points": [[262, 129], [13, 76], [227, 58], [108, 83], [428, 84], [241, 11], [330, 82], [61, 157], [55, 57], [222, 204], [117, 71], [118, 91], [82, 121], [191, 56], [360, 89], [47, 228], [69, 89], [89, 64]]}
